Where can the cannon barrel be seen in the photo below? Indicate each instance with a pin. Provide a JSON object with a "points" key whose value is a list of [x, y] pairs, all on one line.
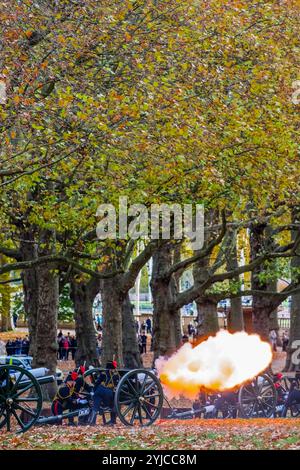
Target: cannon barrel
{"points": [[47, 379], [39, 372], [57, 418]]}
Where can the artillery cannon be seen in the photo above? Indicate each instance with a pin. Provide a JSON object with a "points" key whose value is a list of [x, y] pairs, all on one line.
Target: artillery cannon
{"points": [[138, 398], [256, 398]]}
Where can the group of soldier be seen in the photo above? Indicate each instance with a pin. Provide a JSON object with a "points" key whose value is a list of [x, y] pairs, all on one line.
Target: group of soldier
{"points": [[77, 390]]}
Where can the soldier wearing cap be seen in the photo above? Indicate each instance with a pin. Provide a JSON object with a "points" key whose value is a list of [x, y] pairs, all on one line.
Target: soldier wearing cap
{"points": [[104, 393], [67, 396]]}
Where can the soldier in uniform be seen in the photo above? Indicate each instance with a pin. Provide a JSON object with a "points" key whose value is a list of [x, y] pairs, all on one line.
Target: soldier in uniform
{"points": [[293, 396], [68, 395], [104, 391]]}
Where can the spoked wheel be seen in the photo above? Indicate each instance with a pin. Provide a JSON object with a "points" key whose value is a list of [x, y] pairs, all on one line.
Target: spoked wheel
{"points": [[258, 398], [20, 399], [139, 398]]}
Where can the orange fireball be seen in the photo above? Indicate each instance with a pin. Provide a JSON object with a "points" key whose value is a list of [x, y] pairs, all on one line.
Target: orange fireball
{"points": [[220, 363]]}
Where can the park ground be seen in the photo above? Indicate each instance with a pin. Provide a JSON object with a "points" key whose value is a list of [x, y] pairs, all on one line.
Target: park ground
{"points": [[254, 434]]}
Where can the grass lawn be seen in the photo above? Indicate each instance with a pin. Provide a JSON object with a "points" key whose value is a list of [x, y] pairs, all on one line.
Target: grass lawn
{"points": [[173, 434]]}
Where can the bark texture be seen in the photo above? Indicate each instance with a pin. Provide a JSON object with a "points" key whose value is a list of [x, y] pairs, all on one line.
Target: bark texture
{"points": [[131, 354], [166, 320], [83, 295]]}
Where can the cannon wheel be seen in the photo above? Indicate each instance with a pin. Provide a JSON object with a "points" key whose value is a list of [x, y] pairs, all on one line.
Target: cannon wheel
{"points": [[139, 398], [20, 399], [258, 398]]}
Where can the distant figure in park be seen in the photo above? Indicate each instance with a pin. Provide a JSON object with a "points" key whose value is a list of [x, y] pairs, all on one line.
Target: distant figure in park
{"points": [[18, 346], [191, 329], [98, 321], [60, 334], [137, 327], [66, 346], [149, 326], [25, 346], [60, 347], [15, 319], [273, 339], [73, 346], [99, 344], [285, 341], [10, 348], [143, 343]]}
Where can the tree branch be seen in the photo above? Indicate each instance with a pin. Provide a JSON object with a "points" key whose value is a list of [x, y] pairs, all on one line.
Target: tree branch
{"points": [[11, 253], [54, 260], [182, 265], [131, 274]]}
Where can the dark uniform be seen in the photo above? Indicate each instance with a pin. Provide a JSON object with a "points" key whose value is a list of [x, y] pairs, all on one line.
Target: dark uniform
{"points": [[104, 392], [67, 396], [293, 396], [65, 399]]}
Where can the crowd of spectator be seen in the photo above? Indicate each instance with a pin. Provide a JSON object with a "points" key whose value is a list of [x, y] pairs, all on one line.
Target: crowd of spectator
{"points": [[142, 330], [17, 347], [67, 345]]}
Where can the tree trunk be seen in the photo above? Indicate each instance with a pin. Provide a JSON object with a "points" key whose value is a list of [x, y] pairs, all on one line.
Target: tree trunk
{"points": [[273, 320], [294, 338], [112, 306], [5, 295], [175, 289], [235, 317], [6, 324], [83, 295], [30, 287], [260, 314], [294, 342], [264, 308], [46, 328], [131, 353], [260, 319], [166, 321], [207, 311], [207, 317], [273, 317]]}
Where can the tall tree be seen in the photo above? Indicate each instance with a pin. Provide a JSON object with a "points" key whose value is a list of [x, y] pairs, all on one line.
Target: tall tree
{"points": [[83, 295], [294, 339]]}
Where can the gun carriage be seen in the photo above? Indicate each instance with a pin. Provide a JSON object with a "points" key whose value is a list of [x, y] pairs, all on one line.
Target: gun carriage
{"points": [[138, 398]]}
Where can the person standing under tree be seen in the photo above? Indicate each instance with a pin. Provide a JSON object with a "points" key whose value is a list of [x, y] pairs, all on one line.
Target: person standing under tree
{"points": [[285, 341], [15, 319], [149, 325], [273, 339], [143, 343]]}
